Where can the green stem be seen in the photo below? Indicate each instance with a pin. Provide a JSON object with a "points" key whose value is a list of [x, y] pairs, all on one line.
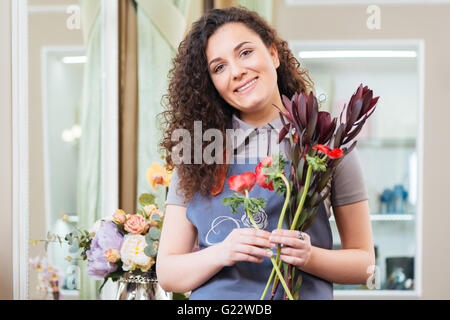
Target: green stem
{"points": [[280, 224], [302, 200], [294, 223], [283, 283]]}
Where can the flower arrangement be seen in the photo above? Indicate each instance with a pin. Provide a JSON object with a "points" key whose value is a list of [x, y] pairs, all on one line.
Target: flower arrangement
{"points": [[311, 133], [125, 242], [48, 276]]}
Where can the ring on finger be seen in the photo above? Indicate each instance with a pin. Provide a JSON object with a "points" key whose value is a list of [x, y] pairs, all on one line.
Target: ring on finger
{"points": [[301, 236]]}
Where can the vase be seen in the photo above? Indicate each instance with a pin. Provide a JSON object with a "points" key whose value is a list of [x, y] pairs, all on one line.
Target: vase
{"points": [[141, 287]]}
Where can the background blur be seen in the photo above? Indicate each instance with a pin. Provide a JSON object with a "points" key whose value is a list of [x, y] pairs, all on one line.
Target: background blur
{"points": [[399, 49]]}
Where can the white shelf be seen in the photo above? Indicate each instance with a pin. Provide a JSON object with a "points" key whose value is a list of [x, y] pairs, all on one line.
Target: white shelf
{"points": [[387, 143], [69, 294], [388, 217], [382, 294]]}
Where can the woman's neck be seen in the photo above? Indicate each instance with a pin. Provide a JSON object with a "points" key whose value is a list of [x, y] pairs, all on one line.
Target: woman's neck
{"points": [[262, 117]]}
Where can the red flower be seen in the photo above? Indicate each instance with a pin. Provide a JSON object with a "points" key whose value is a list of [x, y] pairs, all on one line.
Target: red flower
{"points": [[260, 177], [332, 154], [325, 149], [242, 182]]}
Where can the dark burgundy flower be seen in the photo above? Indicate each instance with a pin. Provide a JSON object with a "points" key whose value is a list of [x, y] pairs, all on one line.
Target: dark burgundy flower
{"points": [[304, 116], [360, 107]]}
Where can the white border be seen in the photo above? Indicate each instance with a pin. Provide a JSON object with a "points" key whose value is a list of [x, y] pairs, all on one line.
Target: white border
{"points": [[419, 45], [20, 228], [110, 125], [338, 3]]}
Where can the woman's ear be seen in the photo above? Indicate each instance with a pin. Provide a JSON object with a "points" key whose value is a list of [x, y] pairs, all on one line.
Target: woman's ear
{"points": [[274, 54]]}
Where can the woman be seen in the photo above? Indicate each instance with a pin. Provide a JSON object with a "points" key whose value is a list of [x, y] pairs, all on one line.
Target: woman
{"points": [[229, 72]]}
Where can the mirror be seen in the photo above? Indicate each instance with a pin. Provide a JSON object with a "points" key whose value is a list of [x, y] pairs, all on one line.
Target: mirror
{"points": [[393, 70], [66, 99]]}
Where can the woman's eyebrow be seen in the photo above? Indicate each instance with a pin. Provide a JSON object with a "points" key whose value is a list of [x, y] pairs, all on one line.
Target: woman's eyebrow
{"points": [[235, 49]]}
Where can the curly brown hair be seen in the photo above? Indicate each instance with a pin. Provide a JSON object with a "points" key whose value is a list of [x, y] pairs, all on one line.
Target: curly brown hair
{"points": [[192, 96]]}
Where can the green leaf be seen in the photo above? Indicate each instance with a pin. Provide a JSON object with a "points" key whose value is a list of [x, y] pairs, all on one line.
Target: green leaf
{"points": [[146, 199], [156, 217], [179, 296], [148, 238], [154, 233], [150, 251]]}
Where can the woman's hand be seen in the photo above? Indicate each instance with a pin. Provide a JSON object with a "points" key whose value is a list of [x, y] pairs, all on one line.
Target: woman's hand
{"points": [[245, 244], [294, 250]]}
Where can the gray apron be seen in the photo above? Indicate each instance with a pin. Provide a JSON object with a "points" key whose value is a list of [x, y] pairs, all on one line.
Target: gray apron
{"points": [[247, 280]]}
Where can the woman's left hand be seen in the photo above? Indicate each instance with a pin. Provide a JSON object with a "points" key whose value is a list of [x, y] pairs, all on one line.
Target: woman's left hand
{"points": [[294, 250]]}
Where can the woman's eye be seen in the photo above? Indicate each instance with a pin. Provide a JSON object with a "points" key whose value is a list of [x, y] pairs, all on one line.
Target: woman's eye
{"points": [[218, 68], [246, 52]]}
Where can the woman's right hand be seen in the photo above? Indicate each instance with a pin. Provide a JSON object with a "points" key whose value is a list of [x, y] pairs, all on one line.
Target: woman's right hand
{"points": [[245, 244]]}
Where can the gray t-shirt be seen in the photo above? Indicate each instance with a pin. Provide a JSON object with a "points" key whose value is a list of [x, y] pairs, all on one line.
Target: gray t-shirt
{"points": [[347, 183]]}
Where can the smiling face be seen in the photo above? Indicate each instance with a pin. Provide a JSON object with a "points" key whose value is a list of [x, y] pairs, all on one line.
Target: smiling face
{"points": [[243, 70]]}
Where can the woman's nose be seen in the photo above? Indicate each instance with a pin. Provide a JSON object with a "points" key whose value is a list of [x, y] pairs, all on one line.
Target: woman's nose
{"points": [[237, 70]]}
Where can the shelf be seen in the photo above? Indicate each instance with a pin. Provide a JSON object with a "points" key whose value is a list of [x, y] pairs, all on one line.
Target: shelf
{"points": [[388, 217], [384, 294], [387, 143], [69, 294]]}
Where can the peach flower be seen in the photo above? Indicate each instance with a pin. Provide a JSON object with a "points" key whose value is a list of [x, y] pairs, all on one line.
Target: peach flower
{"points": [[158, 175], [112, 255], [136, 224], [119, 216]]}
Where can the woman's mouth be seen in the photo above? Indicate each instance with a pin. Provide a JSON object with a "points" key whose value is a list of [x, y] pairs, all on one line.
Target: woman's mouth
{"points": [[249, 86]]}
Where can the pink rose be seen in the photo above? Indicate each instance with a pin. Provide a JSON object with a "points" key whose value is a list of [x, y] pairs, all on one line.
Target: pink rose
{"points": [[119, 216], [136, 224]]}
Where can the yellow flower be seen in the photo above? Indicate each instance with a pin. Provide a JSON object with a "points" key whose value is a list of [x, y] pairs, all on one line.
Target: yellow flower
{"points": [[54, 277], [65, 217], [68, 258], [158, 175]]}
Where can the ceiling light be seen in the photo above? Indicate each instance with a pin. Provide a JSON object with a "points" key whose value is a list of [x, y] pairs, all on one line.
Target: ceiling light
{"points": [[357, 54]]}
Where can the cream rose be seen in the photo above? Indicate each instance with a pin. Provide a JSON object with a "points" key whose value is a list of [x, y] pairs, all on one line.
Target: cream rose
{"points": [[136, 224], [149, 209], [132, 253]]}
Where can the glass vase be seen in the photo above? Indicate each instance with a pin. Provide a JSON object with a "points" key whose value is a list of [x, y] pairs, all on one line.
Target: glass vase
{"points": [[141, 287]]}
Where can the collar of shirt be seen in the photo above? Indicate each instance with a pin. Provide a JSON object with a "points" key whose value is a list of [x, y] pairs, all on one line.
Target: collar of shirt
{"points": [[275, 124]]}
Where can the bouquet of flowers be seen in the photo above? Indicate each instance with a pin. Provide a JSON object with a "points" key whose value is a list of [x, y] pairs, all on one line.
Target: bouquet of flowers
{"points": [[125, 242], [48, 276], [311, 133]]}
